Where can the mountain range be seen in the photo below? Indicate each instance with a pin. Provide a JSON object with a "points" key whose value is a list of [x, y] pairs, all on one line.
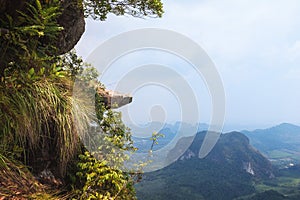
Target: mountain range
{"points": [[280, 144], [226, 173], [234, 169], [169, 131]]}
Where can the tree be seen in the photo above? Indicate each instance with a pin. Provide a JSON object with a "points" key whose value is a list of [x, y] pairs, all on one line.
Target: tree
{"points": [[137, 8]]}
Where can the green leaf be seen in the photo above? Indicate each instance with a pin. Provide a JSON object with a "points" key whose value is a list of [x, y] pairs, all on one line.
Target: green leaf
{"points": [[38, 4], [31, 71]]}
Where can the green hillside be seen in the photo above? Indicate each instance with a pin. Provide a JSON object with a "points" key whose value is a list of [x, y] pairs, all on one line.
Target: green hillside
{"points": [[228, 172]]}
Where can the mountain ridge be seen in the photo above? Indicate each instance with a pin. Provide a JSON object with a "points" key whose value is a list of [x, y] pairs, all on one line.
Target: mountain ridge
{"points": [[280, 144], [232, 164]]}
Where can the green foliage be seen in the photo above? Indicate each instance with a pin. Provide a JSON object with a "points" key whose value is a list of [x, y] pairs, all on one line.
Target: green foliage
{"points": [[101, 173], [154, 139], [99, 9], [195, 179], [101, 181], [269, 195], [23, 43], [45, 106], [77, 68]]}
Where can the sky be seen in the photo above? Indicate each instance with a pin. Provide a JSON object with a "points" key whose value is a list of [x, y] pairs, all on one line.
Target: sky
{"points": [[254, 45]]}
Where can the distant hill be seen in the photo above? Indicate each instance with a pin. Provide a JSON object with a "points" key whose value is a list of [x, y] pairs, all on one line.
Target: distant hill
{"points": [[168, 130], [281, 144], [226, 173]]}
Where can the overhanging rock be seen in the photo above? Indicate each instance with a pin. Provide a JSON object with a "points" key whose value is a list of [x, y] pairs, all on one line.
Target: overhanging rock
{"points": [[113, 99]]}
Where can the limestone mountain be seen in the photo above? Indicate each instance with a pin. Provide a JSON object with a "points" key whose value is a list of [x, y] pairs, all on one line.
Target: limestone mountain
{"points": [[227, 172]]}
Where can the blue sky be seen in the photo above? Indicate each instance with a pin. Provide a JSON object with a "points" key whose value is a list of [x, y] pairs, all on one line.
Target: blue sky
{"points": [[255, 46]]}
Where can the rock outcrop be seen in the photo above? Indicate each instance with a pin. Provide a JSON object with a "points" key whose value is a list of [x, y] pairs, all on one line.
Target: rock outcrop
{"points": [[113, 99], [71, 19]]}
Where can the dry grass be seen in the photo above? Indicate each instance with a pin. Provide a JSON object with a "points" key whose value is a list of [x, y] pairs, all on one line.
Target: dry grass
{"points": [[40, 116], [16, 181]]}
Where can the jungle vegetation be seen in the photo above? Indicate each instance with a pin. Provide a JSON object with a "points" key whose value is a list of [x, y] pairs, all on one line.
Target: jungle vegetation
{"points": [[42, 155]]}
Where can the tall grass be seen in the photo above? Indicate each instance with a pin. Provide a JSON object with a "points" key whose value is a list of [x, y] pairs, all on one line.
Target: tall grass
{"points": [[39, 116]]}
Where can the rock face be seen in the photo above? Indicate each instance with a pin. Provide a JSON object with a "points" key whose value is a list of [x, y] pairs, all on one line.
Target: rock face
{"points": [[248, 168], [71, 19], [114, 99]]}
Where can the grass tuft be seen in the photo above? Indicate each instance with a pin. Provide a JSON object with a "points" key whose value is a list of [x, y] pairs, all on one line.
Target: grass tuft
{"points": [[38, 118]]}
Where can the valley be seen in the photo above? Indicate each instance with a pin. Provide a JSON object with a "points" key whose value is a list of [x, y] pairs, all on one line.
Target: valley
{"points": [[243, 165]]}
